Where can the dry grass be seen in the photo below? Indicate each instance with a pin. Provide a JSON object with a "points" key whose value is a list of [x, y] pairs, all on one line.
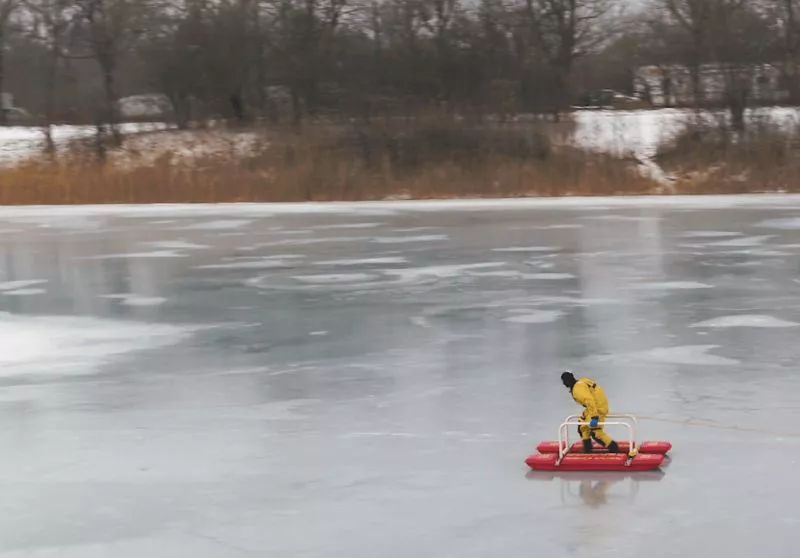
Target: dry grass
{"points": [[434, 159], [713, 160]]}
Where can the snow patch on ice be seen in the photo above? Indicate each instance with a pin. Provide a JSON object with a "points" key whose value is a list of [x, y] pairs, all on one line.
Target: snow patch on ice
{"points": [[16, 285], [405, 239], [744, 242], [219, 225], [260, 263], [420, 321], [557, 227], [415, 229], [137, 300], [438, 271], [710, 234], [23, 292], [519, 275], [537, 317], [347, 226], [687, 354], [305, 241], [62, 346], [789, 224], [673, 285], [760, 252], [525, 249], [549, 276], [746, 320], [623, 218], [335, 278], [175, 245], [364, 261], [157, 254]]}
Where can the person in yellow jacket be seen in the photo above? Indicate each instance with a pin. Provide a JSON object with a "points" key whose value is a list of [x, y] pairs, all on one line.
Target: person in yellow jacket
{"points": [[591, 396]]}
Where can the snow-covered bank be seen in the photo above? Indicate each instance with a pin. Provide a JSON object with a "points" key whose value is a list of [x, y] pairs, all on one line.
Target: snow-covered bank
{"points": [[637, 133], [19, 143]]}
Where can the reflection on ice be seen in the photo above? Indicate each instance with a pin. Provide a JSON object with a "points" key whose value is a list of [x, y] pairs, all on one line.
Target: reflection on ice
{"points": [[597, 490]]}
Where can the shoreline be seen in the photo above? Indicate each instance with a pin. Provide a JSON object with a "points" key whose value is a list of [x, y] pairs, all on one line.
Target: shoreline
{"points": [[654, 201]]}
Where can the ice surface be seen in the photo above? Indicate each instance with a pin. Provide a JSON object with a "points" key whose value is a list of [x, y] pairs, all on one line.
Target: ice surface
{"points": [[746, 320], [373, 399]]}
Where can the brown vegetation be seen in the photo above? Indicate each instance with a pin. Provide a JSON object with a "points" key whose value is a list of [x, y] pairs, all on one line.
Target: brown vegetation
{"points": [[713, 159], [431, 159]]}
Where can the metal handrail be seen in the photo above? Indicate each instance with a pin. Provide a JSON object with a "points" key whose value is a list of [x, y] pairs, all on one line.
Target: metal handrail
{"points": [[612, 416], [563, 435]]}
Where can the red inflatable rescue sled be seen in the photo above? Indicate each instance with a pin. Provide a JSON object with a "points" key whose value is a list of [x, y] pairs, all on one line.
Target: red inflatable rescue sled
{"points": [[563, 456]]}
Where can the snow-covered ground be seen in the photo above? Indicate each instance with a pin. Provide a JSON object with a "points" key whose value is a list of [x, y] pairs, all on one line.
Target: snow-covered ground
{"points": [[20, 143], [362, 380], [641, 133], [637, 134]]}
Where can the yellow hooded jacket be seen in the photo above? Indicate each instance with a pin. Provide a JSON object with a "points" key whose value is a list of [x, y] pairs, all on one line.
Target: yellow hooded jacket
{"points": [[586, 392]]}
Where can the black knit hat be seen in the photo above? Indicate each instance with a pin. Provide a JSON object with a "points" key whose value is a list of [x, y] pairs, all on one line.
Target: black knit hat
{"points": [[568, 379]]}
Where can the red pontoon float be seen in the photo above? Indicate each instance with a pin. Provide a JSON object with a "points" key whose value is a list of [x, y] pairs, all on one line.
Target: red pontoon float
{"points": [[563, 456]]}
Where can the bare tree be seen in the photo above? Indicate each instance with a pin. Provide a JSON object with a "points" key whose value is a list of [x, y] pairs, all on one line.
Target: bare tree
{"points": [[563, 30], [700, 20], [111, 28], [787, 15], [7, 9], [49, 26], [740, 47]]}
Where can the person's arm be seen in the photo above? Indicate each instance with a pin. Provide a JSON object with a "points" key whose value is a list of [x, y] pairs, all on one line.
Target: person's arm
{"points": [[584, 397]]}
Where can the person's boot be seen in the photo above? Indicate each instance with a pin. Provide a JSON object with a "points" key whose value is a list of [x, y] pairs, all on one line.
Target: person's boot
{"points": [[587, 446], [613, 447]]}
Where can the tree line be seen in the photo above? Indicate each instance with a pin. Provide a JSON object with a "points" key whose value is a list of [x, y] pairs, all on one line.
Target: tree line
{"points": [[291, 60]]}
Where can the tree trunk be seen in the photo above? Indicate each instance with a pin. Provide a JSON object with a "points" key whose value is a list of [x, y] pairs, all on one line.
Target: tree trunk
{"points": [[737, 103], [697, 86], [49, 102], [109, 85], [3, 114], [297, 109]]}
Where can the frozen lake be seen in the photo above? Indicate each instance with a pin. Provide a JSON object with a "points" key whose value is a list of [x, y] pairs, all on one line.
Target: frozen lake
{"points": [[365, 380]]}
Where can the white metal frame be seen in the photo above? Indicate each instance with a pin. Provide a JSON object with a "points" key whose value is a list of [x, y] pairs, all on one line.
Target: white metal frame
{"points": [[564, 445]]}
